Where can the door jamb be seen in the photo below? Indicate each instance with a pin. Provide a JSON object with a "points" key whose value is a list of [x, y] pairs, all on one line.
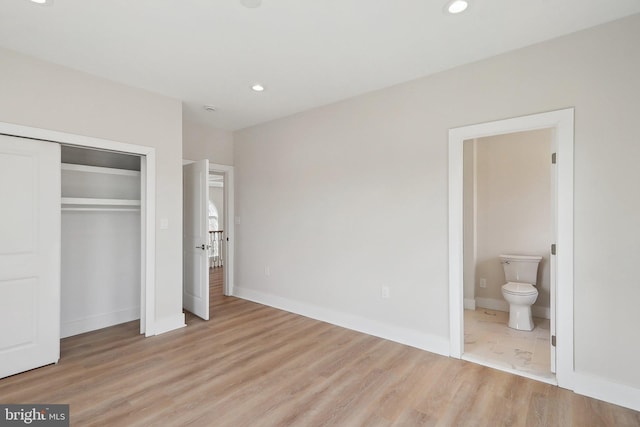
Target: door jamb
{"points": [[562, 122], [148, 203]]}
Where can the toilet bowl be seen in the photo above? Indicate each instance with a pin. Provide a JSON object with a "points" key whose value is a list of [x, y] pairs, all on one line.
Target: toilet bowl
{"points": [[521, 272], [520, 297]]}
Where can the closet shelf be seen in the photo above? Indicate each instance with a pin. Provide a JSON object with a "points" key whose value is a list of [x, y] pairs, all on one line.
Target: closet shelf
{"points": [[98, 169], [89, 204]]}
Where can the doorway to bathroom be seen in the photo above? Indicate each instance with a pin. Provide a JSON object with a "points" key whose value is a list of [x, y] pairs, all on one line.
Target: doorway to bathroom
{"points": [[507, 210], [507, 197]]}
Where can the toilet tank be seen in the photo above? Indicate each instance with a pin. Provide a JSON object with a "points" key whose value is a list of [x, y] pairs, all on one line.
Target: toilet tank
{"points": [[520, 268]]}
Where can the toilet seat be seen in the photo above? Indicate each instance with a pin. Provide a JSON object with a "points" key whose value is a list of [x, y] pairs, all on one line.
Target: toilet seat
{"points": [[518, 288]]}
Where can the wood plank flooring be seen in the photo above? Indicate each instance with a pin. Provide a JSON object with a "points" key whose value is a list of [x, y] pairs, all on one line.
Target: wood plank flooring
{"points": [[252, 365]]}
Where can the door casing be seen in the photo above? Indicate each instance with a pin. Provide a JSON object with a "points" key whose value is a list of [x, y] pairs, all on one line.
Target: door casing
{"points": [[562, 123]]}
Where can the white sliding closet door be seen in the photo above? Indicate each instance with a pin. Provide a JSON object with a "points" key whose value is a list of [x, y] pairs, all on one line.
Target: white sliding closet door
{"points": [[29, 254], [195, 240]]}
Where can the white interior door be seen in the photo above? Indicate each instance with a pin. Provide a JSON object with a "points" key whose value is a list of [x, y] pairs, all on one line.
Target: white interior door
{"points": [[195, 241], [29, 254]]}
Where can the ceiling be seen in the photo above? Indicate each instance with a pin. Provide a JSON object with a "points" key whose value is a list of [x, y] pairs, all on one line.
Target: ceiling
{"points": [[306, 53]]}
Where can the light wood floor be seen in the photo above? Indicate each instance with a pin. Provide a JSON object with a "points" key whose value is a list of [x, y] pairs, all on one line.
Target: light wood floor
{"points": [[252, 365]]}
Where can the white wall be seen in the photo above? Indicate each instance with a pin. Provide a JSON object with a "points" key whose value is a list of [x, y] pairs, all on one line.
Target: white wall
{"points": [[216, 195], [514, 207], [44, 95], [100, 270], [343, 199], [200, 141]]}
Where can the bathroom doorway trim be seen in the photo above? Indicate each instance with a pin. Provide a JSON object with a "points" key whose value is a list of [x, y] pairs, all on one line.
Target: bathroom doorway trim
{"points": [[561, 121]]}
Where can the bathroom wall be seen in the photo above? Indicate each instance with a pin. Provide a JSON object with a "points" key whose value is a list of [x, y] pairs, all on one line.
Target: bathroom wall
{"points": [[469, 232], [514, 214]]}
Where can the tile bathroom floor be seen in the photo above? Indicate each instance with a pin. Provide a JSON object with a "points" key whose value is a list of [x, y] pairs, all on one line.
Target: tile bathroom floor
{"points": [[487, 338]]}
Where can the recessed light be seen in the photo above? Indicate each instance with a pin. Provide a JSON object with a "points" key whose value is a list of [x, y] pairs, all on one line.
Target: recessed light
{"points": [[251, 4], [42, 2], [456, 6], [257, 87], [210, 108]]}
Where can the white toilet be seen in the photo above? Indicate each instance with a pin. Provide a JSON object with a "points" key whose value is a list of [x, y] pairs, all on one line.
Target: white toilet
{"points": [[521, 273]]}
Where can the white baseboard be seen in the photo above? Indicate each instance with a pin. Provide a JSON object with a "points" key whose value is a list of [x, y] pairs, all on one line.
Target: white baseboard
{"points": [[80, 326], [492, 304], [542, 312], [428, 342], [469, 304], [606, 390], [169, 324], [502, 305]]}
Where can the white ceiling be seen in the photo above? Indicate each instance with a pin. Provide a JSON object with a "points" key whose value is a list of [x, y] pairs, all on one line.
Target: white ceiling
{"points": [[307, 53]]}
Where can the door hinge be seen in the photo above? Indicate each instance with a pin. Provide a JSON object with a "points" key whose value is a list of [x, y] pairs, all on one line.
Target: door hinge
{"points": [[553, 249], [553, 340], [554, 158]]}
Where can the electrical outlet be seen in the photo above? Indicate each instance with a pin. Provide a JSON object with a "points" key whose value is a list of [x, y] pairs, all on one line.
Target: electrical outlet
{"points": [[385, 292], [483, 283]]}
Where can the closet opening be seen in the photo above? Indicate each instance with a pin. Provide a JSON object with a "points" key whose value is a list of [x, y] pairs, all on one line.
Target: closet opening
{"points": [[101, 277]]}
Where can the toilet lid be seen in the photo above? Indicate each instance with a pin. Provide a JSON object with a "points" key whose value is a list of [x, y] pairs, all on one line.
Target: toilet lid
{"points": [[518, 288]]}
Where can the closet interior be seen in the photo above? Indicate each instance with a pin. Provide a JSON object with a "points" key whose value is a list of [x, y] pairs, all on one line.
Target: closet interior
{"points": [[100, 239]]}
